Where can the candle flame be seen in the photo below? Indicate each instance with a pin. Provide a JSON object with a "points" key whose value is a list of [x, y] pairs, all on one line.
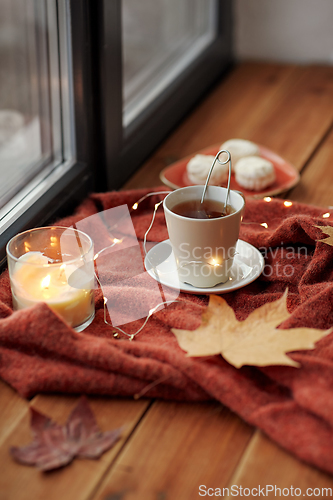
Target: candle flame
{"points": [[46, 281]]}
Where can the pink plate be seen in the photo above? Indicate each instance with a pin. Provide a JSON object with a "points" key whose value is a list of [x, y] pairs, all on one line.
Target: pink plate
{"points": [[287, 176]]}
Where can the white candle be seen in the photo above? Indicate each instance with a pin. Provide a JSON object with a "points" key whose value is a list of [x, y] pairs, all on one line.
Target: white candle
{"points": [[66, 288]]}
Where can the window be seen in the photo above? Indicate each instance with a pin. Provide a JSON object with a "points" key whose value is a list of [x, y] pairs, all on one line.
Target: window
{"points": [[157, 57], [29, 130], [160, 39]]}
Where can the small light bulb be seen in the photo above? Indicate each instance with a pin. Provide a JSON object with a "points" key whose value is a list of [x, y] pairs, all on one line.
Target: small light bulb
{"points": [[268, 199], [135, 206], [288, 203], [264, 225], [325, 216]]}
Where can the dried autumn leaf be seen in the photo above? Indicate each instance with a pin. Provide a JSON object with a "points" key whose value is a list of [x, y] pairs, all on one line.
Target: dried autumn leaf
{"points": [[328, 230], [54, 446], [82, 429], [255, 341]]}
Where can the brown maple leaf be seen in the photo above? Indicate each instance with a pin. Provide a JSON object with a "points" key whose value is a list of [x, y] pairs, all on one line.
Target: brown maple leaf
{"points": [[328, 230], [54, 446], [255, 341]]}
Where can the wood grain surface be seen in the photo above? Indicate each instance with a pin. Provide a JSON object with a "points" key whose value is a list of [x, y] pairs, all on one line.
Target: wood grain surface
{"points": [[176, 449], [169, 449]]}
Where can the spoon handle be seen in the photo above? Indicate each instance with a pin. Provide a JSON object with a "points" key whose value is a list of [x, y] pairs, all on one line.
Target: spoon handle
{"points": [[216, 159]]}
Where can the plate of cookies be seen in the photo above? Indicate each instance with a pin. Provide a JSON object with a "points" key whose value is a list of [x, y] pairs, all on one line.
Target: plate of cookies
{"points": [[256, 170]]}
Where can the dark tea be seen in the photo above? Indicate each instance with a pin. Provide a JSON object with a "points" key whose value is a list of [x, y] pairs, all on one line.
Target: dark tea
{"points": [[208, 209]]}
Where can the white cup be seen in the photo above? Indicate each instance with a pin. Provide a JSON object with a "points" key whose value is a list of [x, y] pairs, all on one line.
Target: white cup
{"points": [[204, 249]]}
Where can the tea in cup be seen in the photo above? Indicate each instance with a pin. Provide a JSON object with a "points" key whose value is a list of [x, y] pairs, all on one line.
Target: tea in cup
{"points": [[203, 237]]}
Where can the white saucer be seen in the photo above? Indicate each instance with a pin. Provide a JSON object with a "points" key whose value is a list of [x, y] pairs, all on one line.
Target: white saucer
{"points": [[248, 264]]}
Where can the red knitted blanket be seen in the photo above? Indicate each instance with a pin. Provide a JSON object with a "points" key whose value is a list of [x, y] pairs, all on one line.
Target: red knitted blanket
{"points": [[39, 353]]}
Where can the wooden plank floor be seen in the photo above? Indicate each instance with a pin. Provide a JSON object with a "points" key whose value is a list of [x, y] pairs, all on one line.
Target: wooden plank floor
{"points": [[169, 449]]}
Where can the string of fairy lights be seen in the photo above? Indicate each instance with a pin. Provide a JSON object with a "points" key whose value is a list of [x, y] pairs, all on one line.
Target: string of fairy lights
{"points": [[116, 241]]}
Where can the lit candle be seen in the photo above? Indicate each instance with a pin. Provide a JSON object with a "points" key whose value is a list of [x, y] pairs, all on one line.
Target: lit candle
{"points": [[66, 287]]}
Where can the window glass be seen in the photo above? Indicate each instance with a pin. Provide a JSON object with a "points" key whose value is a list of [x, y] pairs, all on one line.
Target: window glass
{"points": [[160, 39], [28, 129]]}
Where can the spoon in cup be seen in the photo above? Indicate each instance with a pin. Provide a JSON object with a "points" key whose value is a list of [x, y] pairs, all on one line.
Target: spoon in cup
{"points": [[216, 159]]}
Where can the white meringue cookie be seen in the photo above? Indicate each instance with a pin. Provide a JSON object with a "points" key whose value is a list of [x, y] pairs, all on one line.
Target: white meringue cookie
{"points": [[198, 167], [254, 173], [240, 148]]}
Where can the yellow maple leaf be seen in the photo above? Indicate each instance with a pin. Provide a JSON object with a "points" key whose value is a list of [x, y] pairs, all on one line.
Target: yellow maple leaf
{"points": [[255, 341], [328, 230]]}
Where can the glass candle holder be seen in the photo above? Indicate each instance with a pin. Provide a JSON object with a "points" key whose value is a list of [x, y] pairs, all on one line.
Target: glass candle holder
{"points": [[54, 265]]}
